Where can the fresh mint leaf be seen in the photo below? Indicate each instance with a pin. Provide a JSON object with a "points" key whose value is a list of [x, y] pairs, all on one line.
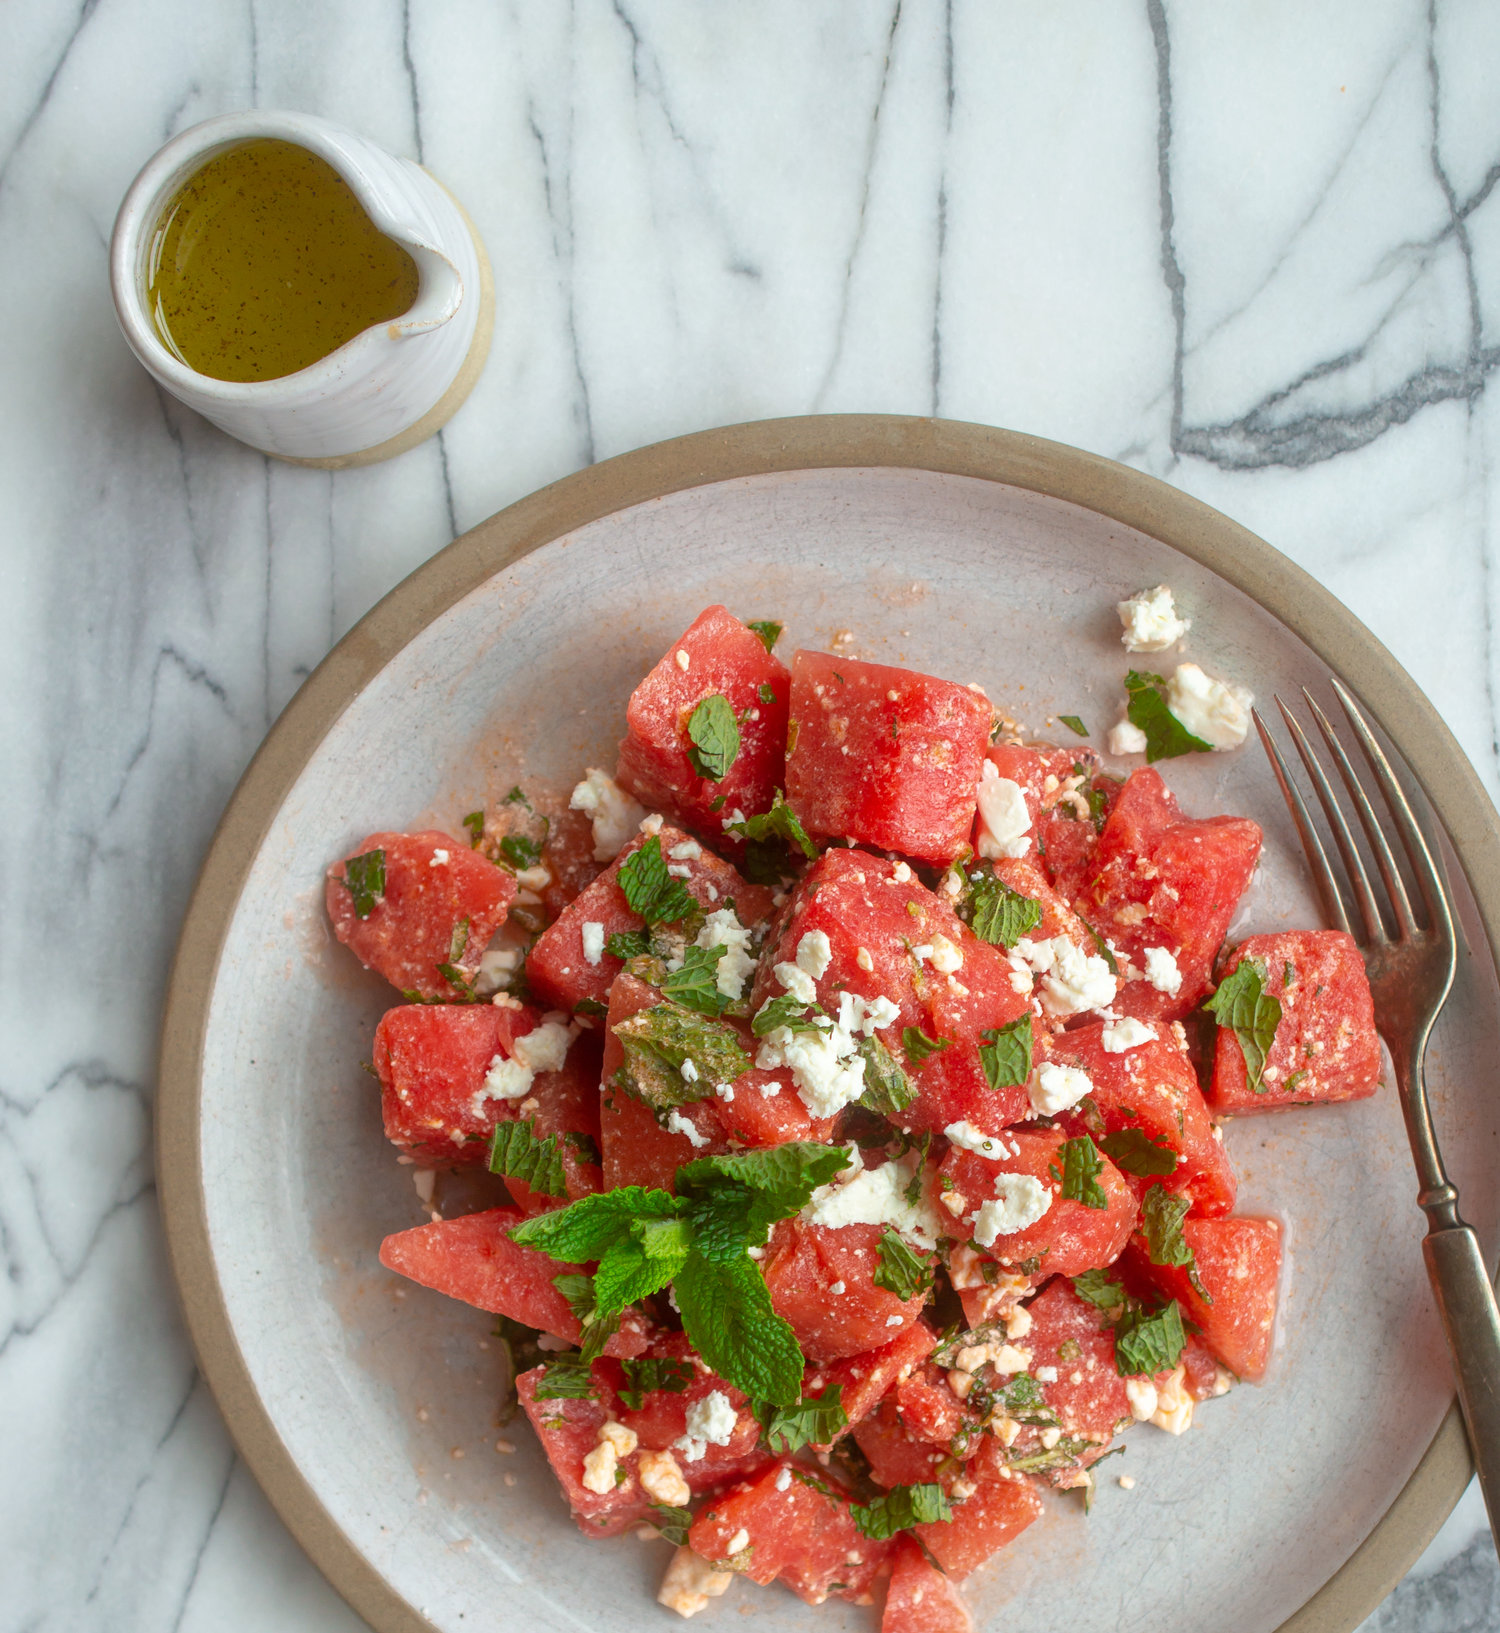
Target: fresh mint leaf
{"points": [[583, 1146], [568, 1378], [1073, 723], [765, 693], [996, 913], [521, 851], [900, 1271], [1025, 1402], [640, 1263], [1166, 736], [695, 986], [791, 1013], [726, 1312], [1149, 1341], [770, 840], [1105, 951], [364, 877], [888, 1090], [769, 631], [450, 971], [1162, 1213], [917, 1046], [671, 1523], [1099, 1288], [1133, 1151], [474, 822], [781, 1177], [1005, 1054], [816, 1420], [646, 1374], [516, 1153], [715, 736], [598, 1327], [1079, 1177], [627, 944], [516, 797], [586, 1228], [650, 890], [590, 1006], [1242, 1004], [660, 1042], [899, 1509]]}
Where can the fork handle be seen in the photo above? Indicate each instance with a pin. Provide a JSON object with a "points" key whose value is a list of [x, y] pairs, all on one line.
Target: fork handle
{"points": [[1466, 1301]]}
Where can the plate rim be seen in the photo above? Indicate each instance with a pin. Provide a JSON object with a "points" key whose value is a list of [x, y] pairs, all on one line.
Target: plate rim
{"points": [[757, 448]]}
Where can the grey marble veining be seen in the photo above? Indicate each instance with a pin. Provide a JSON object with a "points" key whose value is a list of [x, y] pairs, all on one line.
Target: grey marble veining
{"points": [[1252, 249]]}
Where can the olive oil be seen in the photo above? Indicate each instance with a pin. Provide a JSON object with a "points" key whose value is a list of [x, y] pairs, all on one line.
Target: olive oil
{"points": [[264, 262]]}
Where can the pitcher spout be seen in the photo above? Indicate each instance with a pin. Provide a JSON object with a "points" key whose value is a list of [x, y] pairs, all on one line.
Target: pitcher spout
{"points": [[440, 293]]}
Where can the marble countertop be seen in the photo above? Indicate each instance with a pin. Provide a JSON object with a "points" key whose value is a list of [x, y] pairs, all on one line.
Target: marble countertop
{"points": [[1250, 249]]}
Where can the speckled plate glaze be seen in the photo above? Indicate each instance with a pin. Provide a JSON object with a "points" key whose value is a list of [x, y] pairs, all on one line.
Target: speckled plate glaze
{"points": [[368, 1411]]}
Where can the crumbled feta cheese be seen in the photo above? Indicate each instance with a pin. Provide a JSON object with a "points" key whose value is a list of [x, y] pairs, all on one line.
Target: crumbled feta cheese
{"points": [[1046, 1375], [874, 1196], [1020, 1200], [1151, 621], [827, 1072], [814, 953], [1055, 1088], [712, 1419], [797, 982], [1217, 713], [1050, 1437], [615, 815], [901, 873], [836, 1290], [622, 1439], [722, 929], [1141, 1393], [736, 815], [1125, 737], [945, 956], [1122, 1035], [1127, 1482], [783, 1477], [865, 962], [739, 1542], [593, 941], [661, 1478], [1162, 971], [679, 870], [1019, 1322], [725, 1091], [969, 1138], [505, 1080], [684, 659], [678, 1124], [439, 859], [1004, 821], [536, 878], [1076, 980], [689, 1071], [691, 1581], [893, 1320], [599, 1469], [651, 825], [545, 1048], [1174, 1405], [688, 851]]}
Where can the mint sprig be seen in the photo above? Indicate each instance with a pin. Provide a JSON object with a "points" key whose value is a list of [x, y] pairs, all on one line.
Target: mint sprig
{"points": [[659, 1044], [516, 1153], [646, 1374], [1166, 736], [899, 1509], [900, 1271], [816, 1420], [1133, 1151], [767, 629], [918, 1047], [771, 838], [993, 911], [1242, 1005], [888, 1090], [650, 890], [696, 985], [364, 877], [791, 1013], [1005, 1054], [715, 736], [1162, 1213], [1079, 1175], [1148, 1341]]}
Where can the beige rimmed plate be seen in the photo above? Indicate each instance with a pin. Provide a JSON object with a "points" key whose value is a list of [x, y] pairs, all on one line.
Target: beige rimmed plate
{"points": [[367, 1411]]}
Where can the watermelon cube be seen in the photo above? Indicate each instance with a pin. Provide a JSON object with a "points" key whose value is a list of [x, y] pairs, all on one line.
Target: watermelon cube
{"points": [[406, 903], [920, 1598], [718, 657], [896, 1456], [864, 1379], [569, 1430], [885, 756], [569, 965], [821, 1279], [1326, 1047], [1162, 891], [994, 1514]]}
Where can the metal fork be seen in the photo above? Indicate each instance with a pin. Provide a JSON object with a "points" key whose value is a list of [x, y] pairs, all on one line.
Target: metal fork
{"points": [[1411, 973]]}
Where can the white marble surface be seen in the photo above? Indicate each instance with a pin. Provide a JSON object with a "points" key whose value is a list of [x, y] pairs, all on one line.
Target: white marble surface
{"points": [[1250, 248]]}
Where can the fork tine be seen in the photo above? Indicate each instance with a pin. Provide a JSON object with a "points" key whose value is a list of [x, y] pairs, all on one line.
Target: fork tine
{"points": [[1317, 857], [1369, 910], [1385, 861], [1423, 863]]}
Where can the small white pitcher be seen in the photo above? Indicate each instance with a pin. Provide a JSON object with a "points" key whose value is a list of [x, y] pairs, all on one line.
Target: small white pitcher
{"points": [[382, 392]]}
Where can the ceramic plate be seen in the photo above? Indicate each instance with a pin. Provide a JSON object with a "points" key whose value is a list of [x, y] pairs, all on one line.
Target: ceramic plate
{"points": [[367, 1408]]}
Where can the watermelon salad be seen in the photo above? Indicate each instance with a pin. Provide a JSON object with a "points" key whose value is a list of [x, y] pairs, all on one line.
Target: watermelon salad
{"points": [[847, 1074]]}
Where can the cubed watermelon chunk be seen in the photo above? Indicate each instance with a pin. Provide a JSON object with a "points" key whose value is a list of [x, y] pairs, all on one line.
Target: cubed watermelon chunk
{"points": [[717, 657], [569, 1431], [1070, 1236], [1326, 1047], [885, 756], [1239, 1264], [563, 975], [896, 1456], [864, 1379], [440, 904], [793, 1526], [994, 1514], [920, 1598], [821, 1279], [1153, 1089], [1167, 883]]}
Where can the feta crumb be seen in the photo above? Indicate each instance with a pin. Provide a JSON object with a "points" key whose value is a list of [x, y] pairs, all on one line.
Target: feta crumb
{"points": [[901, 873], [1151, 621], [814, 953], [1020, 1200], [679, 870], [615, 815], [1076, 981], [783, 1477], [599, 1469], [1162, 971], [684, 659], [678, 1124], [722, 929], [969, 1138], [1018, 1322], [545, 1047], [736, 815], [1141, 1393], [836, 1289], [865, 962], [1127, 1482], [622, 1439], [505, 1080], [1120, 1036], [688, 851], [1217, 713], [1046, 1375], [797, 982], [893, 1320], [536, 878], [439, 859], [1125, 737], [1174, 1405], [661, 1478], [689, 1071], [1055, 1088], [691, 1582], [593, 941], [874, 1196], [945, 956], [651, 825], [739, 1542], [1004, 821]]}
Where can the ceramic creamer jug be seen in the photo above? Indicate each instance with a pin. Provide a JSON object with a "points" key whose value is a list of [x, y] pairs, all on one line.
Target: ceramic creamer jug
{"points": [[383, 391]]}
